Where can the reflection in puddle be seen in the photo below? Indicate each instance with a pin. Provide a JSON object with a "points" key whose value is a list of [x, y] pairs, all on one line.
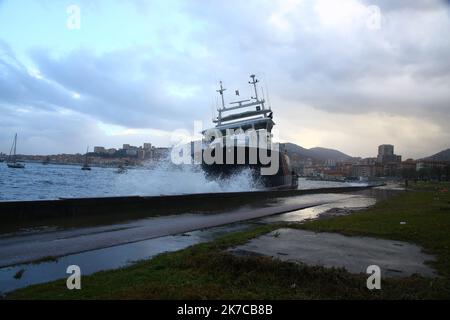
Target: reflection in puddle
{"points": [[340, 206], [107, 258]]}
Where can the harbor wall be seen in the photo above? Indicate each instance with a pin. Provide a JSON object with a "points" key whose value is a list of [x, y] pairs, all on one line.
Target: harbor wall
{"points": [[15, 211]]}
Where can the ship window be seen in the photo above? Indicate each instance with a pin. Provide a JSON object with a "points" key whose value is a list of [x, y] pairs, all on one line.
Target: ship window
{"points": [[258, 108]]}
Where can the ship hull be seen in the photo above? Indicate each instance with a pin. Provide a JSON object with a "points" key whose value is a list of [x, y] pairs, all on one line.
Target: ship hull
{"points": [[16, 166], [283, 177]]}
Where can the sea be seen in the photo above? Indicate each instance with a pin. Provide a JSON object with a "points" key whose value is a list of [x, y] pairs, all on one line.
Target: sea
{"points": [[53, 181]]}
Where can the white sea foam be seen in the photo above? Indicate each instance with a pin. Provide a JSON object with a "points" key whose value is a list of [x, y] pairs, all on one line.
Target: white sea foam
{"points": [[165, 178]]}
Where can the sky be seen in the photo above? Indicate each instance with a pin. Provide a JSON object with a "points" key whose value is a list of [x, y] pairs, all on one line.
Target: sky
{"points": [[348, 75]]}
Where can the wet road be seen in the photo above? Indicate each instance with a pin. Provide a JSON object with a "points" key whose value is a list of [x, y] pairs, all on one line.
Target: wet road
{"points": [[28, 248]]}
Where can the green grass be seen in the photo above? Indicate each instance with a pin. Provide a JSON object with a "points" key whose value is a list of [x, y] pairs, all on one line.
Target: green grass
{"points": [[207, 271], [425, 209]]}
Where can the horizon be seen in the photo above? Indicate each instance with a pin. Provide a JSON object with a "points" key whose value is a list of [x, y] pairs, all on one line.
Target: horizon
{"points": [[162, 146], [343, 77]]}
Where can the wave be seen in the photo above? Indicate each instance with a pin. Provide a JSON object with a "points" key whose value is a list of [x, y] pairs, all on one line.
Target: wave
{"points": [[164, 178]]}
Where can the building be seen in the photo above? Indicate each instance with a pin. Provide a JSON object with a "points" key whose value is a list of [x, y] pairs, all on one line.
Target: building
{"points": [[368, 161], [332, 174], [386, 155], [99, 150], [363, 170], [141, 153], [385, 150], [330, 163], [147, 146], [310, 171], [160, 153], [111, 151], [132, 152], [389, 160], [345, 167], [430, 164], [408, 164]]}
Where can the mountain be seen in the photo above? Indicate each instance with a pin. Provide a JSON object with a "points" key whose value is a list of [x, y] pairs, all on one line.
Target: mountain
{"points": [[315, 153], [324, 154], [444, 155], [293, 149]]}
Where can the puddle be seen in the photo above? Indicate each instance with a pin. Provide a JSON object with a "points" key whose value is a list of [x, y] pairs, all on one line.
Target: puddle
{"points": [[332, 250], [107, 258], [340, 206]]}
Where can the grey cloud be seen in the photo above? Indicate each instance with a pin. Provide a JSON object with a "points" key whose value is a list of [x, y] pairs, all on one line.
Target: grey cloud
{"points": [[389, 5], [121, 88], [345, 72], [401, 69]]}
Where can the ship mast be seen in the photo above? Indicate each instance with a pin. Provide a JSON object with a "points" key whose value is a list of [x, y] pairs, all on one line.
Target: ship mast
{"points": [[254, 82], [221, 91], [258, 104]]}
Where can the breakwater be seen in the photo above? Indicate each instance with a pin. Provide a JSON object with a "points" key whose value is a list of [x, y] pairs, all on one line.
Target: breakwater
{"points": [[16, 211]]}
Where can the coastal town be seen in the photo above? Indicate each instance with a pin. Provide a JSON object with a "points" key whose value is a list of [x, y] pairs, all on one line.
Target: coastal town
{"points": [[385, 164], [128, 155], [335, 166]]}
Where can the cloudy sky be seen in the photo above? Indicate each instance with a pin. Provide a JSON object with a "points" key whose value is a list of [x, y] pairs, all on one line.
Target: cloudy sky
{"points": [[343, 74]]}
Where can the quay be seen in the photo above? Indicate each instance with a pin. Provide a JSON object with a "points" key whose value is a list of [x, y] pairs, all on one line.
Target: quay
{"points": [[17, 211]]}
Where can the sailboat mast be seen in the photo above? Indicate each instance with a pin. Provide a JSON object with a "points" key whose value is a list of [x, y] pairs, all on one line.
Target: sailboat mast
{"points": [[11, 152], [15, 145], [86, 157]]}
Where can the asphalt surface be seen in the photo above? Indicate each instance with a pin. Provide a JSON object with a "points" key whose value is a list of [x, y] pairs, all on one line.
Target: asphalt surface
{"points": [[18, 249]]}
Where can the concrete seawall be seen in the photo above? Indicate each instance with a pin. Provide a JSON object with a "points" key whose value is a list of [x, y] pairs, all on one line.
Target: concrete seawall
{"points": [[15, 211]]}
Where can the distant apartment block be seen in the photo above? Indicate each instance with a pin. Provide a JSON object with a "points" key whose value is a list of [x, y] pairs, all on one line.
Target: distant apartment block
{"points": [[147, 146], [145, 152], [430, 164], [408, 164], [386, 155], [99, 150]]}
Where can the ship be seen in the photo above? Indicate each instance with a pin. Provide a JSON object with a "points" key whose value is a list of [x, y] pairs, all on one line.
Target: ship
{"points": [[242, 140]]}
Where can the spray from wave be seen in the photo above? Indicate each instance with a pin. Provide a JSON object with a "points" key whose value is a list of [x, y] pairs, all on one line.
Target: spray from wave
{"points": [[165, 178]]}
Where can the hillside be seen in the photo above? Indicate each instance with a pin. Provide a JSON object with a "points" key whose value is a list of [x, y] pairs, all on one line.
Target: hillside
{"points": [[315, 153], [324, 153], [444, 155]]}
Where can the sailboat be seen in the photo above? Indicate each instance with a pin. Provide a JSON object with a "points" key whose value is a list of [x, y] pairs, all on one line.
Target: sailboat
{"points": [[85, 165], [12, 163], [121, 169]]}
